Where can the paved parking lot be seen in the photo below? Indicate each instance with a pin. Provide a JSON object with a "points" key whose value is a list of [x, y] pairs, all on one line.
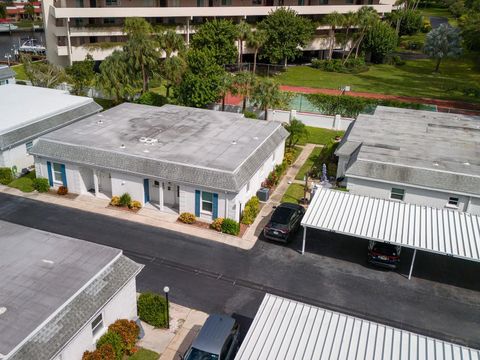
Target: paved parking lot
{"points": [[441, 300]]}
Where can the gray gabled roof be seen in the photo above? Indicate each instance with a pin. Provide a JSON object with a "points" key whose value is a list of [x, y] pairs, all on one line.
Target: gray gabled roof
{"points": [[6, 73], [193, 146]]}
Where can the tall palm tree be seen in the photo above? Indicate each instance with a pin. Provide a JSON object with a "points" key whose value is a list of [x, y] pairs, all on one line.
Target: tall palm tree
{"points": [[170, 42], [112, 79], [243, 84], [350, 20], [226, 86], [267, 95], [334, 20], [256, 40], [243, 32], [366, 17]]}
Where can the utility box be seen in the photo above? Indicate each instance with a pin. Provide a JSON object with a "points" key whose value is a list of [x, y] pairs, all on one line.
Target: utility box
{"points": [[263, 194]]}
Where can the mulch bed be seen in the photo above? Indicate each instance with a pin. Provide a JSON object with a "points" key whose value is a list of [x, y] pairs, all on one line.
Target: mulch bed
{"points": [[70, 196], [204, 225], [123, 208]]}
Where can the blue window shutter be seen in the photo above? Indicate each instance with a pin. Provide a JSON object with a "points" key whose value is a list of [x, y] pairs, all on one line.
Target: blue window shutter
{"points": [[215, 206], [64, 175], [146, 190], [49, 170], [197, 203]]}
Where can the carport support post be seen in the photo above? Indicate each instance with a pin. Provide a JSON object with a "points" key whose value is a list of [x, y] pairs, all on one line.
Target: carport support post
{"points": [[304, 239], [411, 265]]}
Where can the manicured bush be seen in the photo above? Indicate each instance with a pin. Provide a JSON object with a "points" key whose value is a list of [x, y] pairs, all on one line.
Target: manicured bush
{"points": [[380, 41], [125, 199], [104, 352], [115, 341], [152, 309], [6, 176], [62, 190], [128, 331], [411, 21], [115, 201], [187, 218], [41, 185], [230, 226], [217, 224], [135, 205], [251, 210]]}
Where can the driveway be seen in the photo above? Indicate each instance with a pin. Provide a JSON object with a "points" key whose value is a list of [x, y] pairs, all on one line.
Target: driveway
{"points": [[441, 300]]}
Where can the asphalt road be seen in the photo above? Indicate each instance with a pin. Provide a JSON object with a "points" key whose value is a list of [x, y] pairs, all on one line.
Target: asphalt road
{"points": [[441, 300]]}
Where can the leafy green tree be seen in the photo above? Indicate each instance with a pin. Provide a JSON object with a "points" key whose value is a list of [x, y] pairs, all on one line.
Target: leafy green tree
{"points": [[470, 26], [29, 10], [141, 50], [380, 40], [334, 20], [43, 74], [202, 82], [218, 36], [267, 95], [226, 86], [81, 74], [256, 40], [443, 42], [297, 130], [287, 32], [366, 17], [172, 70], [3, 10], [244, 31], [406, 21], [243, 84], [113, 79]]}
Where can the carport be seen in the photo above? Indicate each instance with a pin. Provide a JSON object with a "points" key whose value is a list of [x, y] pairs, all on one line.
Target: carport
{"points": [[441, 231]]}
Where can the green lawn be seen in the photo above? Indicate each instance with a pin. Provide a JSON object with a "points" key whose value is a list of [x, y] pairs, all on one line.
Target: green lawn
{"points": [[308, 164], [20, 71], [144, 354], [319, 136], [24, 183], [293, 194]]}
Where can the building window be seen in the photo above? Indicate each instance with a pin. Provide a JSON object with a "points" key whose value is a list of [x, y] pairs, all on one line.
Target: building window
{"points": [[57, 173], [397, 194], [156, 183], [111, 2], [29, 145], [109, 21], [453, 201], [323, 2], [256, 2], [97, 325], [348, 1], [207, 201]]}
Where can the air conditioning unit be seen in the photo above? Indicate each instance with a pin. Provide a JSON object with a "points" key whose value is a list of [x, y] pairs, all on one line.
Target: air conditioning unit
{"points": [[263, 194]]}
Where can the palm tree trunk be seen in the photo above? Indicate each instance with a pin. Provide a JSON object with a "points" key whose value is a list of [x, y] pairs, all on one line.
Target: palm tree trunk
{"points": [[437, 67], [266, 113], [168, 90], [144, 78], [241, 52], [332, 40], [285, 62], [255, 61], [223, 102], [346, 43]]}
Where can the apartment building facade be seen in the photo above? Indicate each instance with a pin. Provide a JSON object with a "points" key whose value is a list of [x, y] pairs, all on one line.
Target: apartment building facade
{"points": [[75, 28]]}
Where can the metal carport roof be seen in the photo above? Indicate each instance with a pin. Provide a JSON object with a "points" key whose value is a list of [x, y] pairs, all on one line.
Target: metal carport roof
{"points": [[284, 329], [443, 231]]}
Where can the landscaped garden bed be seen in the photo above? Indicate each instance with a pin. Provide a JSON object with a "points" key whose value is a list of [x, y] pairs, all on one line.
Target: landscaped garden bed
{"points": [[125, 202]]}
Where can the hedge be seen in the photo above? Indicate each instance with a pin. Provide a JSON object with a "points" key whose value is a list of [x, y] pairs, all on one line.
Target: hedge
{"points": [[251, 210], [230, 226], [6, 175], [152, 308]]}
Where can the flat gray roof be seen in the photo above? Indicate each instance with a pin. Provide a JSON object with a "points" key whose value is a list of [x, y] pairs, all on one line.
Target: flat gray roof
{"points": [[205, 147], [40, 272], [414, 147]]}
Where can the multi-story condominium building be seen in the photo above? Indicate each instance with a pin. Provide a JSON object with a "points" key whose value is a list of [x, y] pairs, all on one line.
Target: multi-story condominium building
{"points": [[74, 28]]}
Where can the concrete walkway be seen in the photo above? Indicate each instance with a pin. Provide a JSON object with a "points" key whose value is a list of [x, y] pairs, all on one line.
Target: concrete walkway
{"points": [[256, 228], [185, 323]]}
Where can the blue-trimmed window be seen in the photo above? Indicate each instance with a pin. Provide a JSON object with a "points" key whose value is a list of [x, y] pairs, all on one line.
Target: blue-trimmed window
{"points": [[207, 202], [29, 145], [57, 173]]}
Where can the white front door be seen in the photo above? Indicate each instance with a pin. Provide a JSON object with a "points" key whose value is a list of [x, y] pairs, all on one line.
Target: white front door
{"points": [[169, 193]]}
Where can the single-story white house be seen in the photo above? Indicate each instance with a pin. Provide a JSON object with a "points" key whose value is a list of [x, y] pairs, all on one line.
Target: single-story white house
{"points": [[175, 158], [7, 75], [58, 294], [28, 112], [418, 157]]}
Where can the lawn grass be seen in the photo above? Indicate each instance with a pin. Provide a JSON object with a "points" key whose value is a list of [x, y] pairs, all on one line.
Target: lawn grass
{"points": [[415, 78], [319, 136], [20, 72], [24, 183], [293, 194], [144, 354], [307, 165]]}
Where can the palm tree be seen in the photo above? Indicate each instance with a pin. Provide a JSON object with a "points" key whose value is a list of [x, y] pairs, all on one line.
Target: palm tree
{"points": [[366, 17], [226, 86], [243, 32], [243, 84], [113, 79], [172, 71], [334, 20], [267, 95], [256, 41], [350, 20], [170, 42]]}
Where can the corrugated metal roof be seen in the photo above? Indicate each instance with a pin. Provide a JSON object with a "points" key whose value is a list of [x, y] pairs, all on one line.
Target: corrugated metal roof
{"points": [[442, 231], [284, 329]]}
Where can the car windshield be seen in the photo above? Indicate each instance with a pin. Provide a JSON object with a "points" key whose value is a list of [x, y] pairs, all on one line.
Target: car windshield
{"points": [[386, 249], [282, 215], [195, 354]]}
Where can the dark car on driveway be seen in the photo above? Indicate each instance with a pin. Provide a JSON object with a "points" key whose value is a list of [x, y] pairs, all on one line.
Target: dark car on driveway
{"points": [[217, 340], [284, 222], [383, 254]]}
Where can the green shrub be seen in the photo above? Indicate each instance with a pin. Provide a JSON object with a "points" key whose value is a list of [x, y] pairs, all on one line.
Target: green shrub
{"points": [[187, 218], [217, 224], [251, 210], [135, 205], [6, 175], [20, 82], [125, 199], [115, 201], [411, 21], [104, 352], [426, 25], [41, 185], [230, 226], [250, 114], [115, 341], [152, 309], [151, 98], [23, 183], [128, 331], [350, 66]]}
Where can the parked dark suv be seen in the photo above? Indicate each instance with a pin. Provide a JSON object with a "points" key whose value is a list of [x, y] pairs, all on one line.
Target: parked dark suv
{"points": [[284, 222], [384, 255], [217, 340]]}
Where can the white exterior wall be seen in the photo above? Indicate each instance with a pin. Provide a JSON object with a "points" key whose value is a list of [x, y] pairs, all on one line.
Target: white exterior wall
{"points": [[311, 119], [122, 306], [16, 156], [413, 195], [75, 181], [125, 183]]}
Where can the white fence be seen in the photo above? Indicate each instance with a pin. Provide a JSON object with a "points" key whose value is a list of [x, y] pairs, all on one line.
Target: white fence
{"points": [[311, 119]]}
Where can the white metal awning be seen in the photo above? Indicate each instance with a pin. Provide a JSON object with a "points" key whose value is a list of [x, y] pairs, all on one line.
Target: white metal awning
{"points": [[284, 329], [442, 231]]}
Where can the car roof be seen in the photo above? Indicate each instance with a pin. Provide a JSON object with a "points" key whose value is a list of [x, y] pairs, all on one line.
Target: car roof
{"points": [[213, 334], [290, 206]]}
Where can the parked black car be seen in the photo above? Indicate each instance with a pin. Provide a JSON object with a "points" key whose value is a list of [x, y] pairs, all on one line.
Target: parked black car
{"points": [[284, 222], [217, 340], [383, 254]]}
